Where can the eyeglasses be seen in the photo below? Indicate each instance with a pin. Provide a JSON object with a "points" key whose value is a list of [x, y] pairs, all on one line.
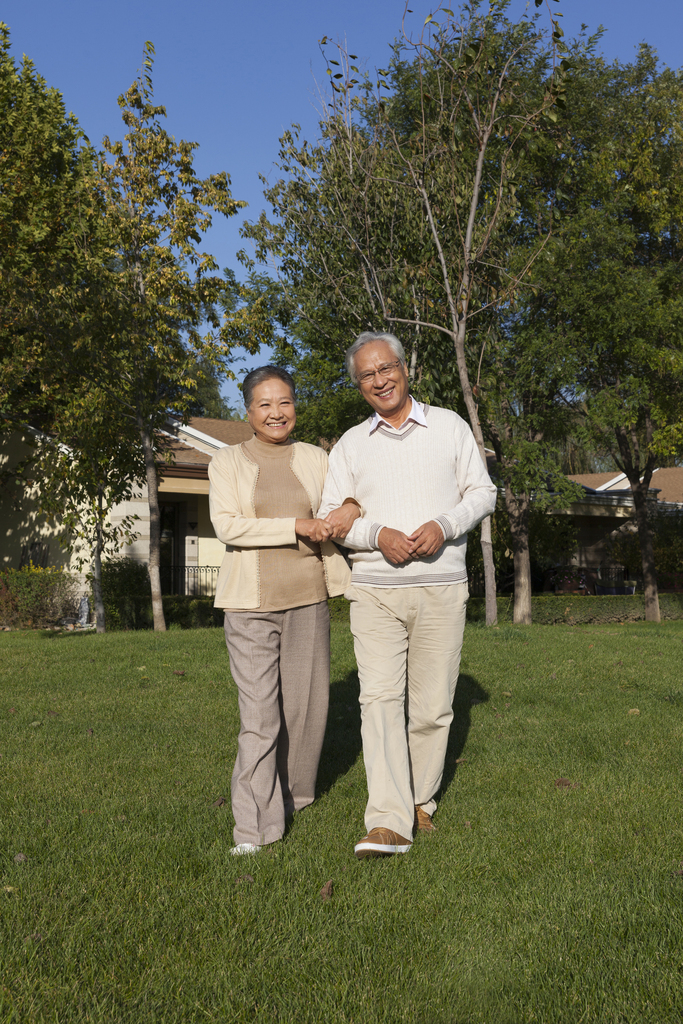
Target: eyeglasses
{"points": [[384, 371]]}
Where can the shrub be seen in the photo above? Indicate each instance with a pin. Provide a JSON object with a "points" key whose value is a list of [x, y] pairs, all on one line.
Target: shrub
{"points": [[574, 610], [32, 596], [125, 588], [667, 542]]}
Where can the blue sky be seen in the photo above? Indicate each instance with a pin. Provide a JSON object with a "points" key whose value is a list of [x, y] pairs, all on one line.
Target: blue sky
{"points": [[234, 75]]}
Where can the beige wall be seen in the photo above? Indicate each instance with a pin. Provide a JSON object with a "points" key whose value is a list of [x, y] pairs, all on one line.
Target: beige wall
{"points": [[21, 522], [211, 550]]}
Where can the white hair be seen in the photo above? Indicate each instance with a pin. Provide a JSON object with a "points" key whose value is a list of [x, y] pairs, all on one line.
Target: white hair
{"points": [[365, 339]]}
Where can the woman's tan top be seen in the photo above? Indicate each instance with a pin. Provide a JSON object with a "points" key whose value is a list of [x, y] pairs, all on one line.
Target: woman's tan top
{"points": [[291, 575]]}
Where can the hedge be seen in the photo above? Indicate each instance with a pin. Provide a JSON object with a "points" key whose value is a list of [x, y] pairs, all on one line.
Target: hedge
{"points": [[184, 612], [572, 609], [33, 596], [193, 612]]}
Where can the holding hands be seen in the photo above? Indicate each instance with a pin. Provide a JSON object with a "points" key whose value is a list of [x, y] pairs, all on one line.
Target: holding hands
{"points": [[342, 519], [335, 526], [313, 529]]}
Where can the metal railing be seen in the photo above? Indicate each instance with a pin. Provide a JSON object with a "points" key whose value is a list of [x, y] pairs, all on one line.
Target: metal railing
{"points": [[189, 580]]}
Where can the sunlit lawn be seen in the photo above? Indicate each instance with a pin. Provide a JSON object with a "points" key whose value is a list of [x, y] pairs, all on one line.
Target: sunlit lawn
{"points": [[534, 901]]}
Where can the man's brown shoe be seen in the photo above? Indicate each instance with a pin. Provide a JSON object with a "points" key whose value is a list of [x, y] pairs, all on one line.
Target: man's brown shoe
{"points": [[423, 821], [381, 842]]}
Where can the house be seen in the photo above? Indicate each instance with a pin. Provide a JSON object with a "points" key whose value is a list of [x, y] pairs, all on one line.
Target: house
{"points": [[607, 507], [190, 552]]}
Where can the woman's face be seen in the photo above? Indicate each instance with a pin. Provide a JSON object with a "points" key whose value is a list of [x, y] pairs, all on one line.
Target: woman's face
{"points": [[272, 414]]}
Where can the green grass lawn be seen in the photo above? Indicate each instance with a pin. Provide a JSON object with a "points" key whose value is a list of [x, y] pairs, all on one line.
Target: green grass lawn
{"points": [[532, 902]]}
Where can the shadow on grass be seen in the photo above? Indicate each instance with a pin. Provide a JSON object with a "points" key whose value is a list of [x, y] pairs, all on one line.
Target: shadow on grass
{"points": [[342, 743], [64, 634], [468, 692]]}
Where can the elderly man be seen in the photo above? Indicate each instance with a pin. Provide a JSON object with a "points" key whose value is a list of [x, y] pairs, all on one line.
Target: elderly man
{"points": [[417, 474]]}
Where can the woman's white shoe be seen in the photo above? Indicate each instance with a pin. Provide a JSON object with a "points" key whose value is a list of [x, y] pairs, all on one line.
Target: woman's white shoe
{"points": [[243, 848]]}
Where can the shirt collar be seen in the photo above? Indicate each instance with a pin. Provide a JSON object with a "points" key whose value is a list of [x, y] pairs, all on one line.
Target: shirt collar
{"points": [[416, 415]]}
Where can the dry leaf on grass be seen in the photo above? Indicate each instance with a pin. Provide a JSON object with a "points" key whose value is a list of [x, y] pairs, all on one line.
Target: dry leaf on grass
{"points": [[89, 732], [327, 890], [566, 784], [219, 802], [20, 858], [178, 672], [245, 878], [634, 711]]}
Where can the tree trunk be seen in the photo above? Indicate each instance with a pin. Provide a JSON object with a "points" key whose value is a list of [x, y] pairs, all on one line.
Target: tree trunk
{"points": [[459, 325], [154, 526], [97, 571], [475, 423], [647, 553], [518, 506], [639, 480], [491, 604]]}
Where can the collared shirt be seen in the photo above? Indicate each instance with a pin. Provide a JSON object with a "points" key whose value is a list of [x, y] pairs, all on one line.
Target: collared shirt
{"points": [[416, 415]]}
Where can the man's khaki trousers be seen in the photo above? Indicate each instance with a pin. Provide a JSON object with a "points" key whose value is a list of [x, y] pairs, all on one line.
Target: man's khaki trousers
{"points": [[407, 642]]}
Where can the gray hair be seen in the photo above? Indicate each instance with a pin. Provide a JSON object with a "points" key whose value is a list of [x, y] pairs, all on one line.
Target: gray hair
{"points": [[262, 374], [365, 339]]}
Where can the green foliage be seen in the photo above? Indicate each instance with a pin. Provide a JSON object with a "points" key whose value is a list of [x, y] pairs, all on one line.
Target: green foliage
{"points": [[206, 399], [667, 541], [33, 596], [129, 606], [389, 215], [134, 611], [574, 610], [159, 292], [125, 589], [124, 577], [552, 540], [49, 216]]}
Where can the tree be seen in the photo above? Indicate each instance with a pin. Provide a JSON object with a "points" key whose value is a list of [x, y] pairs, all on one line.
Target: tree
{"points": [[83, 469], [49, 216], [158, 291], [402, 215], [609, 286], [206, 399]]}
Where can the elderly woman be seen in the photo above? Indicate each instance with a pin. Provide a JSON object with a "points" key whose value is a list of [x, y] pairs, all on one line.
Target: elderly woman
{"points": [[279, 568]]}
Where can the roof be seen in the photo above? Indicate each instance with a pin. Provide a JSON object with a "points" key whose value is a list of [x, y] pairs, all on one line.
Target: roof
{"points": [[227, 431], [595, 480], [194, 444], [668, 482], [186, 461]]}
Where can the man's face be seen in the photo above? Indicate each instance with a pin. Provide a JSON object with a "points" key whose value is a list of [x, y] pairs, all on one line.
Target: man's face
{"points": [[388, 391]]}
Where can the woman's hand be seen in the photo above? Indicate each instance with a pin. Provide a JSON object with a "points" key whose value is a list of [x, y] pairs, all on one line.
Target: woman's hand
{"points": [[313, 529], [342, 519]]}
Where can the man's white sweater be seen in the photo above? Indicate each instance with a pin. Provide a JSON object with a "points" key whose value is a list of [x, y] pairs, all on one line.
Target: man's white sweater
{"points": [[402, 479]]}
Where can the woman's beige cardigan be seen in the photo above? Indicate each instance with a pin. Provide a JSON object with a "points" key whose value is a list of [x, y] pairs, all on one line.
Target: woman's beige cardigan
{"points": [[233, 477]]}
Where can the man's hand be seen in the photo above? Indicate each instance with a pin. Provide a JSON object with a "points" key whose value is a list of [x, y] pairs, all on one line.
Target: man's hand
{"points": [[394, 545], [342, 519], [426, 540], [313, 529]]}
